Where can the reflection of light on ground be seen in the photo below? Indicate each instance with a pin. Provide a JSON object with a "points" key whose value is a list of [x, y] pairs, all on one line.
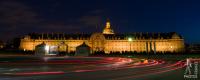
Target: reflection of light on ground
{"points": [[14, 69], [38, 73], [145, 61], [78, 65]]}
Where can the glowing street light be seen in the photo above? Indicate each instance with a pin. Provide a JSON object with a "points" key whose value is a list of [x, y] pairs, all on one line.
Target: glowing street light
{"points": [[47, 49], [130, 40]]}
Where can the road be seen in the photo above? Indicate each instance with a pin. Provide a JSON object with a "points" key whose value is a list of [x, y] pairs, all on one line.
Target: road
{"points": [[89, 68]]}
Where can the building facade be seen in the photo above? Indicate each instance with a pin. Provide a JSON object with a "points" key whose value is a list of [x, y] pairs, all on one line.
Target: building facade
{"points": [[107, 41]]}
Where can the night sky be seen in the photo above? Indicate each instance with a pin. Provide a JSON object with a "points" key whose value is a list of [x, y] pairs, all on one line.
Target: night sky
{"points": [[20, 17]]}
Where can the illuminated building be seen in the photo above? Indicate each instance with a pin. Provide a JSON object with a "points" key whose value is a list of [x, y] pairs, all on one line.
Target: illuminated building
{"points": [[82, 50], [108, 29], [108, 41]]}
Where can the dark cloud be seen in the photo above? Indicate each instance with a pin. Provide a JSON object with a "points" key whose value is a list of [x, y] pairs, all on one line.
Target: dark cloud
{"points": [[14, 15], [91, 20], [19, 19], [58, 26]]}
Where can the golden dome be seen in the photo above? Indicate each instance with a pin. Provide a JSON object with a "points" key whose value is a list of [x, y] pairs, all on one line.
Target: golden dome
{"points": [[107, 29]]}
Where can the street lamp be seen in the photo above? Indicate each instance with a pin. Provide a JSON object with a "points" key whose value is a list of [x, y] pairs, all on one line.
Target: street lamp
{"points": [[130, 40], [46, 49]]}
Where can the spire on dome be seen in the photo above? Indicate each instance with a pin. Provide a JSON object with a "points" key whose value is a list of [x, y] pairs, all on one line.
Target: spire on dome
{"points": [[107, 23]]}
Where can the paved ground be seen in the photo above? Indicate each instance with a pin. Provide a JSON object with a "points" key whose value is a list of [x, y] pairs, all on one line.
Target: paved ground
{"points": [[89, 68]]}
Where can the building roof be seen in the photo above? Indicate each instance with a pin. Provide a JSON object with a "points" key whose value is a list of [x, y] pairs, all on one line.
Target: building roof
{"points": [[83, 45], [41, 45], [135, 35], [140, 35]]}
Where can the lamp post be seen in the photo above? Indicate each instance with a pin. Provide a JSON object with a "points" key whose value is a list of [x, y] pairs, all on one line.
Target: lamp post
{"points": [[130, 40], [46, 49]]}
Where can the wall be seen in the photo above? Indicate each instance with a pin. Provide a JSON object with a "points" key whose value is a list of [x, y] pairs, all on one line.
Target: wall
{"points": [[139, 45]]}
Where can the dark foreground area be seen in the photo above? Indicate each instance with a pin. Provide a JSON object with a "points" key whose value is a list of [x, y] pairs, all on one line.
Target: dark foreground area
{"points": [[95, 67]]}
